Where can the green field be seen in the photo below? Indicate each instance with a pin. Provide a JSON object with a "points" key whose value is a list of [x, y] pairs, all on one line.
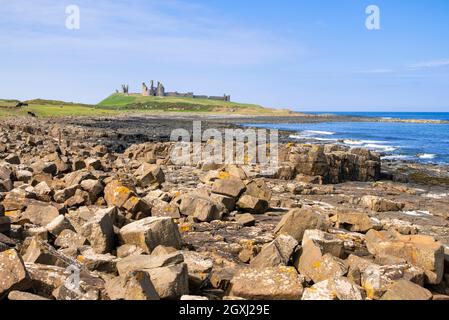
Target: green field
{"points": [[117, 104]]}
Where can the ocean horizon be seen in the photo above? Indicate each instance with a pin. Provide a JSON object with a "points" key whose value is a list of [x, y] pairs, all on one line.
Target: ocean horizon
{"points": [[417, 142]]}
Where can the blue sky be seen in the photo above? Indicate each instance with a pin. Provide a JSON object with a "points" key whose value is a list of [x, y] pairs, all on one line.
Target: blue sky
{"points": [[305, 55]]}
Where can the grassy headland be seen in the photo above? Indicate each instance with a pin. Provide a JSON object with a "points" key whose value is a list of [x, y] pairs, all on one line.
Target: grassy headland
{"points": [[121, 104]]}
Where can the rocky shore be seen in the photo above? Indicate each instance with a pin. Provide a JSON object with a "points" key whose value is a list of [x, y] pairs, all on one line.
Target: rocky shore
{"points": [[94, 209]]}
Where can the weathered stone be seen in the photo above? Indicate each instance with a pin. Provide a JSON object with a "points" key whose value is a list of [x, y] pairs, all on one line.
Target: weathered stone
{"points": [[92, 163], [99, 231], [117, 194], [328, 243], [253, 205], [193, 298], [57, 225], [338, 288], [276, 253], [12, 159], [5, 224], [170, 282], [281, 283], [161, 208], [128, 250], [227, 202], [230, 187], [297, 221], [137, 209], [198, 267], [353, 221], [149, 174], [138, 286], [406, 290], [97, 262], [24, 296], [45, 167], [40, 214], [43, 192], [140, 262], [70, 239], [63, 195], [93, 187], [199, 207], [246, 219], [379, 204], [76, 177], [422, 251], [13, 274], [151, 232]]}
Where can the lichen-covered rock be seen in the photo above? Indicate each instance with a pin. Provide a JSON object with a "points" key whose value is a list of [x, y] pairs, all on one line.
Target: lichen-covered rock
{"points": [[276, 253], [422, 251], [230, 187], [406, 290], [13, 274], [99, 231], [379, 204], [280, 283]]}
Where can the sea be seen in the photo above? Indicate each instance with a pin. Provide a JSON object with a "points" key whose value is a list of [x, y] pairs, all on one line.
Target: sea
{"points": [[416, 142]]}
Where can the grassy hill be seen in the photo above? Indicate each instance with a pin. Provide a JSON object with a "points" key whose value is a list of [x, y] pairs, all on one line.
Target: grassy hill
{"points": [[119, 104], [176, 104]]}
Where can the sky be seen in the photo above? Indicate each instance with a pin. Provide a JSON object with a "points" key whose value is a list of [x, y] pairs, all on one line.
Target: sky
{"points": [[298, 54]]}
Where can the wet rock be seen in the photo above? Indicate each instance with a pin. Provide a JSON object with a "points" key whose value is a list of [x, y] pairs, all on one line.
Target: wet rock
{"points": [[281, 283], [151, 232], [297, 221]]}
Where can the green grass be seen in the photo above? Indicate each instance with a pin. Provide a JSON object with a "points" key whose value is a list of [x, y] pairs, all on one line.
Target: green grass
{"points": [[178, 104], [119, 104]]}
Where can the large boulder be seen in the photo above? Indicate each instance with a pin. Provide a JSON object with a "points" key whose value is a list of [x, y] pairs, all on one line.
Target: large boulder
{"points": [[149, 174], [422, 251], [13, 274], [276, 253], [116, 194], [297, 221], [99, 231], [230, 187], [40, 214], [406, 290], [280, 283], [151, 232]]}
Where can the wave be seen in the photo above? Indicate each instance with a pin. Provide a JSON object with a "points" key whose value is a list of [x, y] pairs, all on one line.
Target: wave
{"points": [[380, 147], [426, 156], [312, 132], [397, 157]]}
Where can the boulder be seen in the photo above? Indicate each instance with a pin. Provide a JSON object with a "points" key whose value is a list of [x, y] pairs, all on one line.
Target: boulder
{"points": [[141, 262], [258, 189], [161, 208], [116, 194], [246, 219], [253, 205], [149, 174], [199, 207], [422, 251], [99, 231], [379, 204], [57, 225], [13, 274], [40, 214], [199, 268], [280, 283], [353, 221], [230, 187], [70, 239], [406, 290], [137, 285], [170, 282], [338, 288], [297, 221], [276, 253], [151, 232]]}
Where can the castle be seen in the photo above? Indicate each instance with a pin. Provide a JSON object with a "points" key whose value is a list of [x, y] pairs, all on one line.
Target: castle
{"points": [[159, 91]]}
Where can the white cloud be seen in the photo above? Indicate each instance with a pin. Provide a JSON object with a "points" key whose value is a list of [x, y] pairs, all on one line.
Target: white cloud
{"points": [[430, 64]]}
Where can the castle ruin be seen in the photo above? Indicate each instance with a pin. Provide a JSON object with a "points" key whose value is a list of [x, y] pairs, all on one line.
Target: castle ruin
{"points": [[159, 91]]}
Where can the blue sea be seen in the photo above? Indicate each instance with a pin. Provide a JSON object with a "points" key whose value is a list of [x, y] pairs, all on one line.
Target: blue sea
{"points": [[426, 143]]}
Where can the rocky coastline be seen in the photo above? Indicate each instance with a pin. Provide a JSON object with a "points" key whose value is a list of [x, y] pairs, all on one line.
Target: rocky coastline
{"points": [[101, 199]]}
